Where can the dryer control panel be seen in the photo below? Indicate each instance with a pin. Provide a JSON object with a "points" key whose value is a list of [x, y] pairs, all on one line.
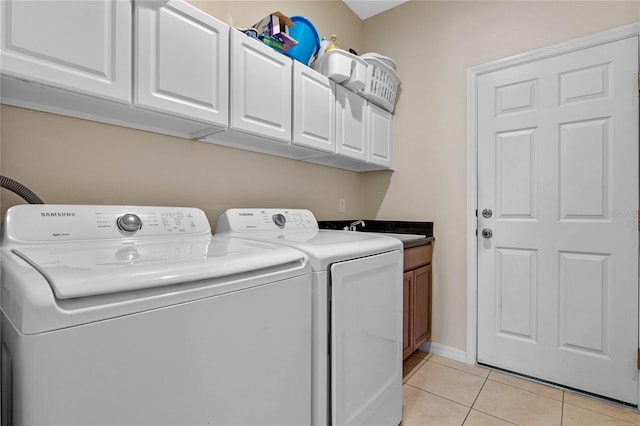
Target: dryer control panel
{"points": [[255, 220], [38, 223]]}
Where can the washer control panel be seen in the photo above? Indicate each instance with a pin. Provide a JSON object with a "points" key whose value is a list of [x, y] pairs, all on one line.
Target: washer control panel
{"points": [[253, 220], [47, 222]]}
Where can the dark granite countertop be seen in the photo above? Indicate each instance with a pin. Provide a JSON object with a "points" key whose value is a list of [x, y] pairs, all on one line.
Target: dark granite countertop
{"points": [[410, 233]]}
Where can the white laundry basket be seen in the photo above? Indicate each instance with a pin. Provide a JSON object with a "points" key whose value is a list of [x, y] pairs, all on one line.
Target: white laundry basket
{"points": [[382, 84]]}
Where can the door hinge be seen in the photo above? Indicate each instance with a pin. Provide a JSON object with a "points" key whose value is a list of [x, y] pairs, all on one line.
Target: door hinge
{"points": [[638, 80], [638, 358], [638, 220]]}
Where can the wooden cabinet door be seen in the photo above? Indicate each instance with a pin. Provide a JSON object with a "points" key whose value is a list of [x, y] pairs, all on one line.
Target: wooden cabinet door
{"points": [[182, 61], [79, 46], [260, 89], [313, 109], [351, 125], [407, 313], [422, 306], [381, 136]]}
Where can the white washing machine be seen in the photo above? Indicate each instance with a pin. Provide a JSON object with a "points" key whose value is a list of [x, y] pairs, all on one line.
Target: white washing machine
{"points": [[138, 316], [357, 313]]}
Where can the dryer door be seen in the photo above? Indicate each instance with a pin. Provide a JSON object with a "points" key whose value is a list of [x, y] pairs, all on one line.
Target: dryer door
{"points": [[366, 340]]}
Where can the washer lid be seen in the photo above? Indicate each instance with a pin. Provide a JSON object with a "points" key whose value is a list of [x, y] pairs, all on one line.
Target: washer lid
{"points": [[84, 269], [326, 246]]}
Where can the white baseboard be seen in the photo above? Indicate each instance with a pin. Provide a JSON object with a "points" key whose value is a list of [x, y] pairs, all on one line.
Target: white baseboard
{"points": [[444, 351]]}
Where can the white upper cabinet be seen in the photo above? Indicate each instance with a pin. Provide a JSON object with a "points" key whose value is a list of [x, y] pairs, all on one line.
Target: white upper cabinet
{"points": [[81, 46], [381, 136], [260, 89], [313, 109], [182, 63], [364, 135], [165, 66], [351, 125]]}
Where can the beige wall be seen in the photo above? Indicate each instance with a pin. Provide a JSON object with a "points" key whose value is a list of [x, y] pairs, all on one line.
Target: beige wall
{"points": [[67, 160], [434, 42]]}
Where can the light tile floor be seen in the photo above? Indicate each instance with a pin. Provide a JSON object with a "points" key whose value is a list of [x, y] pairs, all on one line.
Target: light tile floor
{"points": [[438, 391]]}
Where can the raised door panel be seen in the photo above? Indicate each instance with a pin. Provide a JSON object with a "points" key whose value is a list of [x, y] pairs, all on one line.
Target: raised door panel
{"points": [[260, 89], [351, 125], [80, 46], [422, 305], [407, 313], [381, 137], [182, 61], [313, 109]]}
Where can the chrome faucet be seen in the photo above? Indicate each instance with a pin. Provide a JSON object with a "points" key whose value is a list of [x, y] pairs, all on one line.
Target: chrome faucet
{"points": [[352, 226]]}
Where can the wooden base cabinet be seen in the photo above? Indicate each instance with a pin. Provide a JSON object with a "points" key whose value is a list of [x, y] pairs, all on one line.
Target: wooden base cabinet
{"points": [[417, 288]]}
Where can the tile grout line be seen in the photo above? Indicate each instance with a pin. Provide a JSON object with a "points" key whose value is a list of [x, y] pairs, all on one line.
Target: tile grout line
{"points": [[480, 391], [475, 399], [418, 367], [514, 387], [496, 417], [528, 391], [439, 396], [597, 412], [423, 361], [455, 368], [480, 411]]}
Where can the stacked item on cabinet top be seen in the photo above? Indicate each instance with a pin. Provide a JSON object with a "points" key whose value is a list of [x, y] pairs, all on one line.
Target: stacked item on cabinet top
{"points": [[371, 75], [343, 67], [382, 82]]}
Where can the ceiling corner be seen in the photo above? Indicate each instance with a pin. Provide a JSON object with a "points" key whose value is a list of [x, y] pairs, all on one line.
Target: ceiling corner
{"points": [[368, 8]]}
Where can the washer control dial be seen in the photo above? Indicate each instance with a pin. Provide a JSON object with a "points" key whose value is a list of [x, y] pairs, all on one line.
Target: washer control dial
{"points": [[279, 220], [129, 222]]}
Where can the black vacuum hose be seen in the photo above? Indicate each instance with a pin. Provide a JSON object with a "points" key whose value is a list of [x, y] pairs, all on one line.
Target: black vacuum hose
{"points": [[20, 189]]}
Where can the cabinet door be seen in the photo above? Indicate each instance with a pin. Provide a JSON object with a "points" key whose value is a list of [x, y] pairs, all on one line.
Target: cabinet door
{"points": [[260, 89], [407, 313], [81, 46], [422, 305], [313, 109], [182, 61], [381, 136], [351, 125]]}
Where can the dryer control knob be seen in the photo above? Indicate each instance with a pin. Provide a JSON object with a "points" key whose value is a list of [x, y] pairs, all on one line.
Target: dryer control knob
{"points": [[279, 220], [129, 222]]}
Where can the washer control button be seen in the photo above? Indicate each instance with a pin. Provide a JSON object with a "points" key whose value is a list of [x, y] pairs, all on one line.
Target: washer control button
{"points": [[279, 220], [129, 222]]}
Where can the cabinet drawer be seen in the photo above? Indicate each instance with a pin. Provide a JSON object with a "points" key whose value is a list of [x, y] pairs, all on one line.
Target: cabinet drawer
{"points": [[417, 256]]}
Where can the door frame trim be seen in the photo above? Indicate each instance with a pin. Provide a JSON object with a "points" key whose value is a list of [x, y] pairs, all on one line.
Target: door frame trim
{"points": [[615, 34]]}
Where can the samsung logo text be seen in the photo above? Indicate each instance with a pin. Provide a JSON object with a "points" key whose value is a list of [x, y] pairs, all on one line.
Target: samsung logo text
{"points": [[57, 214]]}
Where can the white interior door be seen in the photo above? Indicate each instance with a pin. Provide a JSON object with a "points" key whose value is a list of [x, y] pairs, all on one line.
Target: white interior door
{"points": [[558, 168]]}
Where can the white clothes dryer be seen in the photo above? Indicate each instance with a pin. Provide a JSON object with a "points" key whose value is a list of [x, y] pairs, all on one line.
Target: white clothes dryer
{"points": [[357, 313], [137, 315]]}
